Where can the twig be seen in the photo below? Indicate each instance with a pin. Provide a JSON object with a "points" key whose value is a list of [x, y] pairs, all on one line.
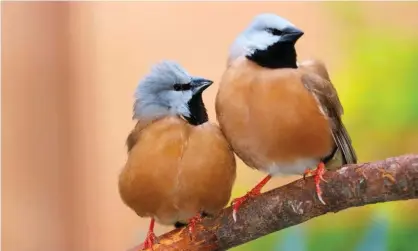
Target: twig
{"points": [[351, 186]]}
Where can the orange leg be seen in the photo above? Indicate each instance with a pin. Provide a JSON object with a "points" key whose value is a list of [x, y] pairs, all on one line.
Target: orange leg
{"points": [[236, 203], [149, 241], [320, 170], [192, 223]]}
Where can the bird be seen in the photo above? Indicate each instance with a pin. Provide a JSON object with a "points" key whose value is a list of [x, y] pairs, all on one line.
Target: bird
{"points": [[280, 116], [179, 167]]}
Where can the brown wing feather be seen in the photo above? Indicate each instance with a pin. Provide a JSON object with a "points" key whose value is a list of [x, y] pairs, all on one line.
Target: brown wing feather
{"points": [[132, 138], [320, 86]]}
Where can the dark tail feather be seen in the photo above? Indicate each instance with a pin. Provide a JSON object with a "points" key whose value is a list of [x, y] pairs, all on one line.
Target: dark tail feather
{"points": [[343, 141]]}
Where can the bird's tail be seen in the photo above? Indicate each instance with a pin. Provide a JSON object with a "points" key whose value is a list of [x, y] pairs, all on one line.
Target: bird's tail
{"points": [[343, 141]]}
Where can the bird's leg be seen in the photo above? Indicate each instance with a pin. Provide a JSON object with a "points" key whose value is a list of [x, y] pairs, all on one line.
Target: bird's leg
{"points": [[319, 171], [192, 223], [236, 203], [149, 241]]}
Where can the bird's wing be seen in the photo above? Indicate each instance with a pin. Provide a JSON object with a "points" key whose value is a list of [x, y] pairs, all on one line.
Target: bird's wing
{"points": [[315, 66], [328, 100], [132, 138]]}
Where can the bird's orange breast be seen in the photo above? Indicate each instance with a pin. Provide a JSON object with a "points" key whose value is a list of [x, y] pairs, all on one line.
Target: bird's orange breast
{"points": [[269, 117], [175, 170]]}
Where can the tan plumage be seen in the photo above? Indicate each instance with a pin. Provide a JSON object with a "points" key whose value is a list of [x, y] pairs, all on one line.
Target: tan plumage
{"points": [[269, 117], [175, 170], [279, 116], [180, 166]]}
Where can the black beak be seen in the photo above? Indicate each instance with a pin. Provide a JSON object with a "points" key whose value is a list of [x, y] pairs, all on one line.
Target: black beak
{"points": [[291, 34], [200, 84]]}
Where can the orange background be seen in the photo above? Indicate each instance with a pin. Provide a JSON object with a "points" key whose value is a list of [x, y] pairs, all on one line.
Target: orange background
{"points": [[68, 76]]}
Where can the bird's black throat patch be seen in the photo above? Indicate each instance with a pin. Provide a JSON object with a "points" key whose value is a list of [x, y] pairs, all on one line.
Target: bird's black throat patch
{"points": [[198, 113], [278, 55]]}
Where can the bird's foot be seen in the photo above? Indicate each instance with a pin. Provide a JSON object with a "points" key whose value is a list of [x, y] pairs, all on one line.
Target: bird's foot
{"points": [[151, 238], [318, 173], [149, 241], [236, 203], [192, 223]]}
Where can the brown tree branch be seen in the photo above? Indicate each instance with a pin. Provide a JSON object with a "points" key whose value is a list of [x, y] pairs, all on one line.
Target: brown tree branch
{"points": [[351, 186]]}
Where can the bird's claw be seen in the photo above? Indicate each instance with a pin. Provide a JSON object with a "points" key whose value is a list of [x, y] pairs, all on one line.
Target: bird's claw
{"points": [[310, 172], [234, 215], [192, 224], [320, 170], [149, 241], [318, 173], [236, 204]]}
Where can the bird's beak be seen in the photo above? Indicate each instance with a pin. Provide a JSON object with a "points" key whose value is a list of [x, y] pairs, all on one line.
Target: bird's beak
{"points": [[291, 34], [200, 84]]}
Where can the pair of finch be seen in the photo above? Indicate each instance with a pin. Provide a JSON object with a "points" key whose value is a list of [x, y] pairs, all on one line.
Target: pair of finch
{"points": [[279, 116]]}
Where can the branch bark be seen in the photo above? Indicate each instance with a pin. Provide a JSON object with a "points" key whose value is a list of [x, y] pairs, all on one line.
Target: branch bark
{"points": [[351, 186]]}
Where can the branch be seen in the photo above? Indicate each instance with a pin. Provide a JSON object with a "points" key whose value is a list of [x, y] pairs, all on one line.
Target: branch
{"points": [[351, 186]]}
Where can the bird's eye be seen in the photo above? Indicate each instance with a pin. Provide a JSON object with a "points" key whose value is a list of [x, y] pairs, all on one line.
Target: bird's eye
{"points": [[182, 87], [275, 32]]}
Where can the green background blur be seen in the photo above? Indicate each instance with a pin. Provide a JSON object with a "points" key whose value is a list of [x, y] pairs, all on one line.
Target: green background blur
{"points": [[381, 112]]}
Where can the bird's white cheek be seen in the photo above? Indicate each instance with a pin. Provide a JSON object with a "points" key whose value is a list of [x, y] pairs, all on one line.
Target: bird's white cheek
{"points": [[262, 40], [178, 102]]}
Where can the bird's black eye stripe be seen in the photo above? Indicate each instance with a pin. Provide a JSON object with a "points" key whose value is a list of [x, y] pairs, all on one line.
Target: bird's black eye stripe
{"points": [[275, 32], [182, 87]]}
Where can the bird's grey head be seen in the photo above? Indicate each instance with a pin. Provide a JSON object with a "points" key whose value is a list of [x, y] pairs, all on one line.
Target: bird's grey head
{"points": [[169, 90], [263, 33]]}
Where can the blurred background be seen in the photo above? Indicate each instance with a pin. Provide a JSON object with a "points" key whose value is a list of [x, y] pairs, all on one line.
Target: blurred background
{"points": [[69, 70]]}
